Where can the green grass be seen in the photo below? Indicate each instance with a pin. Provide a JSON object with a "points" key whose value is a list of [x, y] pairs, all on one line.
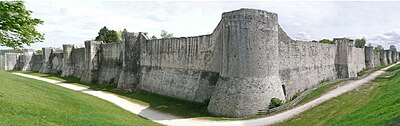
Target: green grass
{"points": [[178, 107], [157, 102], [326, 88], [376, 103], [25, 101], [318, 92]]}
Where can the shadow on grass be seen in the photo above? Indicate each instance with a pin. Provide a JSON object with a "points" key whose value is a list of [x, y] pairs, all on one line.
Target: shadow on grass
{"points": [[178, 107]]}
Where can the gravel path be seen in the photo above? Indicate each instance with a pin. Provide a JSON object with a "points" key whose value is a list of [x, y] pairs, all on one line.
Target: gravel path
{"points": [[168, 119]]}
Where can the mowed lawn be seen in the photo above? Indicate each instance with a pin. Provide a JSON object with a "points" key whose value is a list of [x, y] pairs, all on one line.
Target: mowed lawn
{"points": [[376, 103], [25, 101]]}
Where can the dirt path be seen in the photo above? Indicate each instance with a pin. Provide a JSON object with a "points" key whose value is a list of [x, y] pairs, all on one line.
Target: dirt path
{"points": [[168, 119]]}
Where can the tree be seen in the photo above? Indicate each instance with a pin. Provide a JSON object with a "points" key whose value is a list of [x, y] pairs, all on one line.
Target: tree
{"points": [[327, 41], [119, 35], [17, 27], [153, 37], [165, 34], [379, 48], [369, 45], [360, 43], [392, 48], [39, 51], [314, 41], [107, 36]]}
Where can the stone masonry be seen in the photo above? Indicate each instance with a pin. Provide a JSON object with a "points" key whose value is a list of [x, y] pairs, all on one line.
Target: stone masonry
{"points": [[236, 70]]}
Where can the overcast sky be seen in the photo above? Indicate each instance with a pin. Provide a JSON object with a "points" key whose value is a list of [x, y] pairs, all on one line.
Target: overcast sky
{"points": [[73, 22]]}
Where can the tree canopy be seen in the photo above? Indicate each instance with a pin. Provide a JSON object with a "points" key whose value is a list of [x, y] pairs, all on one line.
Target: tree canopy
{"points": [[108, 36], [165, 34], [392, 48], [17, 27], [327, 41], [360, 42], [379, 48]]}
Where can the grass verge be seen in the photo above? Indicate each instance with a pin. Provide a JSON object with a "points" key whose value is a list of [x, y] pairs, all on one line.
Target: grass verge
{"points": [[25, 101], [182, 108], [375, 103]]}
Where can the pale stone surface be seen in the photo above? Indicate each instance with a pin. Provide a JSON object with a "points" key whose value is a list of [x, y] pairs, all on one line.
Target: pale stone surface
{"points": [[246, 61], [90, 74], [305, 64], [249, 77], [78, 60], [2, 62], [111, 63], [130, 73], [383, 58], [26, 59], [68, 66], [46, 65], [56, 61], [10, 61], [389, 56], [192, 85]]}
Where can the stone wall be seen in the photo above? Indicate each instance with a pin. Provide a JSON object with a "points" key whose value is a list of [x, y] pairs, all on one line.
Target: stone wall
{"points": [[2, 62], [111, 63], [56, 61], [36, 62], [236, 70], [389, 56], [10, 62], [305, 64], [68, 66], [372, 58], [78, 61], [92, 59], [383, 58], [179, 67]]}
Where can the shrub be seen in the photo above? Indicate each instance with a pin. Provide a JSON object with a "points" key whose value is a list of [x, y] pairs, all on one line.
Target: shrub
{"points": [[275, 102], [297, 94]]}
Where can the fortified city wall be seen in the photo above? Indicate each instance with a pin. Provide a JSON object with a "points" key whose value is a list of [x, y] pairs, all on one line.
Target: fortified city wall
{"points": [[236, 70]]}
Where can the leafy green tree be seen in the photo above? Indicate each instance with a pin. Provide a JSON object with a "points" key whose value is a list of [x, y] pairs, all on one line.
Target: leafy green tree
{"points": [[165, 34], [360, 42], [369, 45], [17, 27], [379, 48], [119, 35], [107, 36], [392, 48], [39, 51], [327, 41], [153, 37]]}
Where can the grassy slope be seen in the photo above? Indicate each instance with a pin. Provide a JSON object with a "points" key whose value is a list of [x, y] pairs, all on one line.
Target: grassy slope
{"points": [[26, 101], [161, 103], [326, 88], [375, 103]]}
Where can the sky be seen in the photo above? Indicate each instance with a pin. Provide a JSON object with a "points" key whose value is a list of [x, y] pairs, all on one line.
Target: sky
{"points": [[73, 22]]}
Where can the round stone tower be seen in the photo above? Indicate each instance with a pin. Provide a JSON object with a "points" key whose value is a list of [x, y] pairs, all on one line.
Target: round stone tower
{"points": [[249, 74]]}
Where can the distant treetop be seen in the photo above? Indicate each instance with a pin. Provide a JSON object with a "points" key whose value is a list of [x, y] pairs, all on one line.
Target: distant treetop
{"points": [[108, 36]]}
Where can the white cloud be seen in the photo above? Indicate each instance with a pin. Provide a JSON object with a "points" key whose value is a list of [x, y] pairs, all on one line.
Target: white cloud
{"points": [[303, 36], [386, 39], [76, 21]]}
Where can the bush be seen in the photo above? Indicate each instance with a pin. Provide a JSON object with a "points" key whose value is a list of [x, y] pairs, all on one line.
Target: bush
{"points": [[297, 94], [275, 102]]}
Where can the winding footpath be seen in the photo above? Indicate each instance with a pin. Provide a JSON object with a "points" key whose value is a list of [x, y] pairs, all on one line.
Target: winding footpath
{"points": [[168, 119]]}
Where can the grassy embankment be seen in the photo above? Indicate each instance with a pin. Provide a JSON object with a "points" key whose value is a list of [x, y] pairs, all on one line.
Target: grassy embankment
{"points": [[375, 103], [25, 101], [170, 105]]}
